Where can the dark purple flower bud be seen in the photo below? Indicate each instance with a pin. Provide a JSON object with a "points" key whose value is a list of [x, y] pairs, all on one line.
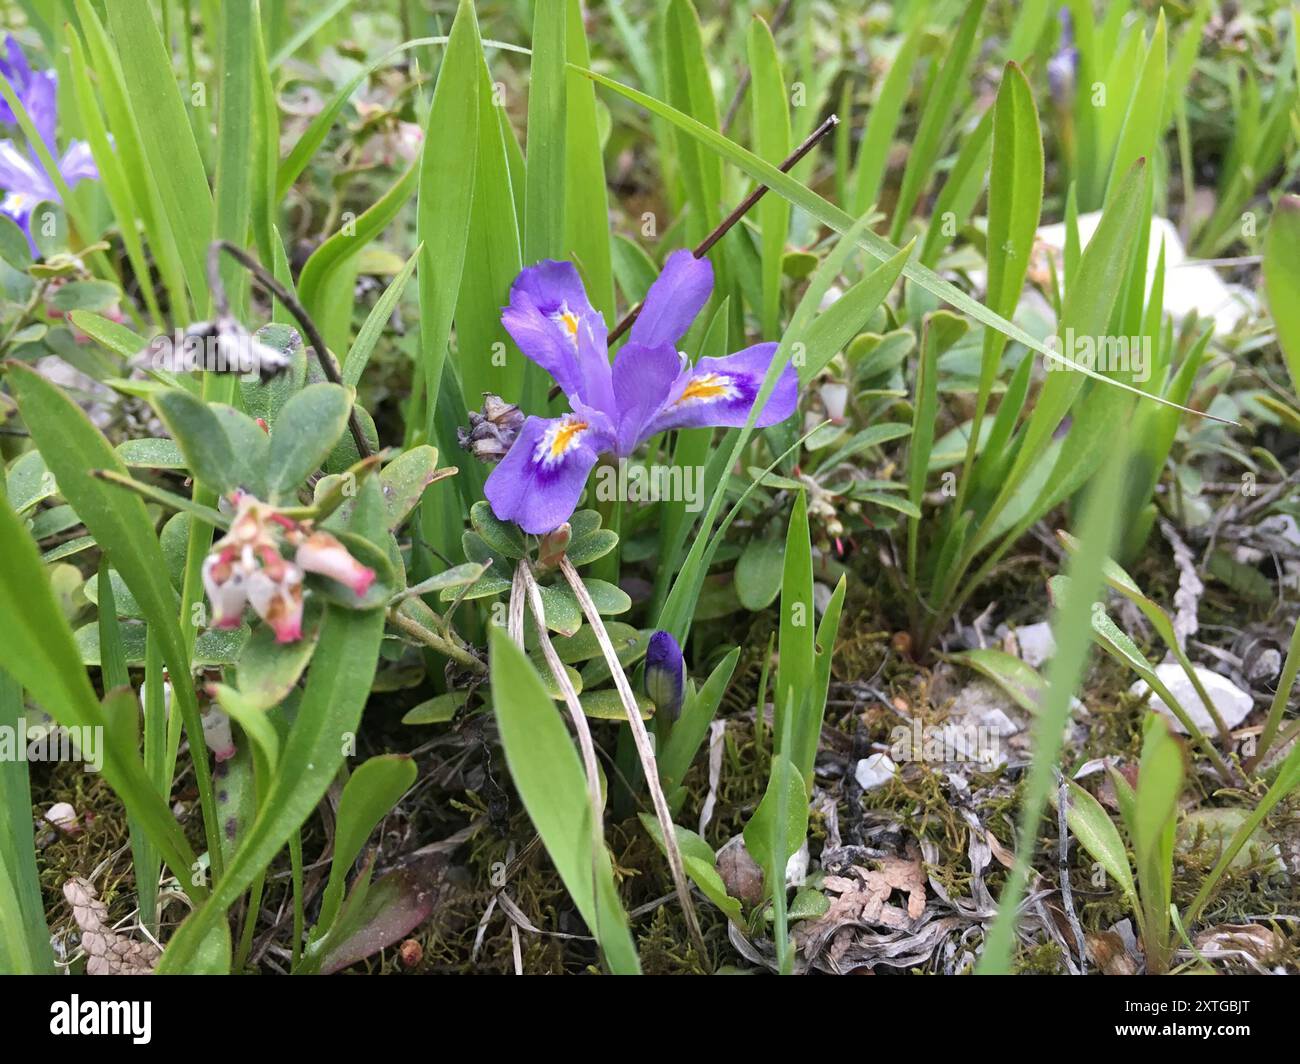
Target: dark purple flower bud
{"points": [[664, 675]]}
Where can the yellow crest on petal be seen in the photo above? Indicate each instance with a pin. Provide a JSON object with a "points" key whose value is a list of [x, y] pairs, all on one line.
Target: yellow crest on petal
{"points": [[706, 388]]}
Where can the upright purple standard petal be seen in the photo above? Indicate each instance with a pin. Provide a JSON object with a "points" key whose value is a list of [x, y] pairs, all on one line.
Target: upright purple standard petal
{"points": [[538, 483], [548, 306], [664, 673], [721, 392], [676, 297]]}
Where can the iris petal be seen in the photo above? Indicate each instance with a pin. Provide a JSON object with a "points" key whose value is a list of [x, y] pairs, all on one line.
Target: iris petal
{"points": [[548, 308], [643, 378], [538, 483], [721, 392], [676, 297], [77, 163]]}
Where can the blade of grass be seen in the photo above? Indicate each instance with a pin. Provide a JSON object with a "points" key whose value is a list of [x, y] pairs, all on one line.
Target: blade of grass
{"points": [[445, 197], [771, 123], [947, 93], [544, 196], [1072, 628], [26, 934], [167, 137]]}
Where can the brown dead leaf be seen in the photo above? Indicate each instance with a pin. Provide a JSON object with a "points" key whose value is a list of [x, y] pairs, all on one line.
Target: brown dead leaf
{"points": [[107, 952], [1254, 940], [862, 896], [1108, 953]]}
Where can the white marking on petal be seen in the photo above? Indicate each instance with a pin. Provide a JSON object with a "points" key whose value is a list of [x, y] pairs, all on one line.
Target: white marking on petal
{"points": [[561, 438]]}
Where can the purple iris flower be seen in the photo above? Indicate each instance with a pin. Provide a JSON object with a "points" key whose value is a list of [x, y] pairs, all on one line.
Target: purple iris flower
{"points": [[1063, 67], [650, 388], [22, 177]]}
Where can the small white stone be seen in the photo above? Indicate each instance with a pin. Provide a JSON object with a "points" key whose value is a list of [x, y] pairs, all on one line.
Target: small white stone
{"points": [[796, 869], [63, 817], [874, 771], [1230, 700], [834, 397], [821, 598], [1036, 643]]}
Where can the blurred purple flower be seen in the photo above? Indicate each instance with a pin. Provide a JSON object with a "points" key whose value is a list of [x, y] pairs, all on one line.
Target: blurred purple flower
{"points": [[1063, 66], [22, 176], [651, 387], [34, 88]]}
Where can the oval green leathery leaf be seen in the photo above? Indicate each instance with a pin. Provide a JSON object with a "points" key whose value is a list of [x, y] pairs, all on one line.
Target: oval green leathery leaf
{"points": [[592, 546], [369, 794], [202, 439], [563, 614], [503, 538], [213, 647], [266, 398], [584, 646], [267, 670], [29, 481], [303, 435], [404, 480], [437, 710], [151, 454], [609, 599], [607, 704], [758, 572], [124, 602]]}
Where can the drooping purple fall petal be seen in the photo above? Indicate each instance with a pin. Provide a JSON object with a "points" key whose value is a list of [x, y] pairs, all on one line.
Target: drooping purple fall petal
{"points": [[537, 485], [642, 377], [721, 392]]}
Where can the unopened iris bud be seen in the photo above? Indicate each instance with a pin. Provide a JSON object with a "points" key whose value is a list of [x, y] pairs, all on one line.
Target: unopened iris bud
{"points": [[664, 675]]}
